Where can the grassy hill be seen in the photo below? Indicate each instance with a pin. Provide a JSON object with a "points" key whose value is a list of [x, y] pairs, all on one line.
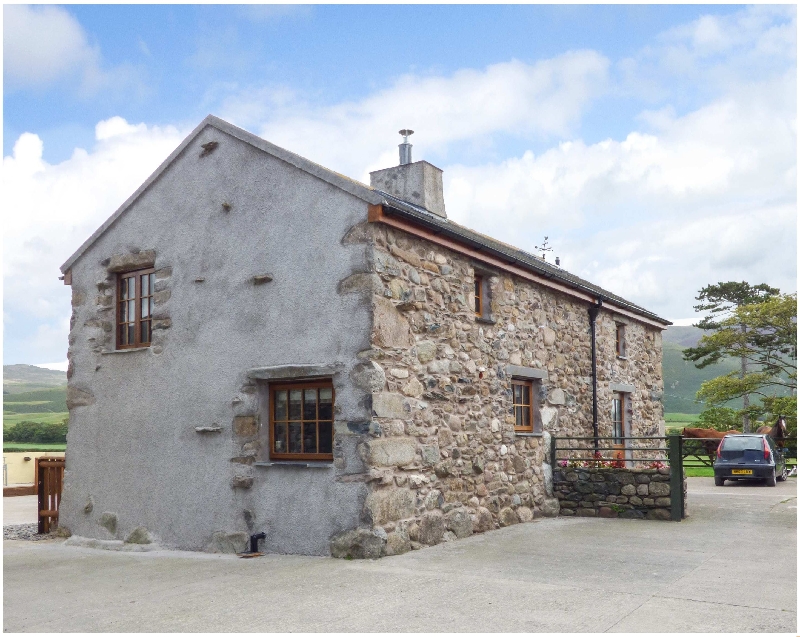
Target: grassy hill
{"points": [[34, 394], [41, 401], [18, 379]]}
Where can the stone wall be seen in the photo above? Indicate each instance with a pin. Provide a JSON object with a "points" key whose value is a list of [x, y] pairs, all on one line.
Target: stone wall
{"points": [[444, 459], [615, 493]]}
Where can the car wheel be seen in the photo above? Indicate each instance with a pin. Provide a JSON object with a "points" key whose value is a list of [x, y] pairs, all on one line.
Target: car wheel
{"points": [[771, 479], [784, 474], [719, 481]]}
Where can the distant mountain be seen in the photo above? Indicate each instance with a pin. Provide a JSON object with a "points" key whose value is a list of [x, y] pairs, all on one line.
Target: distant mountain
{"points": [[683, 335], [682, 379], [24, 378]]}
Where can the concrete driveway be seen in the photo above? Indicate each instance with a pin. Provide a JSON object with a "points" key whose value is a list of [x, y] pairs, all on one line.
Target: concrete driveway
{"points": [[714, 572], [21, 509]]}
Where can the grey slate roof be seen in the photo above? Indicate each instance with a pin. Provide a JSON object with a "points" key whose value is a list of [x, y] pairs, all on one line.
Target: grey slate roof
{"points": [[418, 214]]}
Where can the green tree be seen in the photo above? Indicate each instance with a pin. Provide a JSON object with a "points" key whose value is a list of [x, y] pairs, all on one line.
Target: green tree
{"points": [[719, 418], [764, 335], [721, 301], [28, 431]]}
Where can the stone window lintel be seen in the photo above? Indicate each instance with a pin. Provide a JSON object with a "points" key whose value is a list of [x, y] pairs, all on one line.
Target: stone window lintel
{"points": [[518, 371], [292, 372], [290, 463], [622, 387], [130, 261]]}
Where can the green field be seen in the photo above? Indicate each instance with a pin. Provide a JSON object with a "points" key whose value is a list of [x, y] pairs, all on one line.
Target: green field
{"points": [[677, 417], [33, 446], [48, 418], [41, 401], [675, 422], [699, 472]]}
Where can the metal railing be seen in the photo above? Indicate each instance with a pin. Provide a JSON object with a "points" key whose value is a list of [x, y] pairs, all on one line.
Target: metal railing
{"points": [[622, 454], [630, 453]]}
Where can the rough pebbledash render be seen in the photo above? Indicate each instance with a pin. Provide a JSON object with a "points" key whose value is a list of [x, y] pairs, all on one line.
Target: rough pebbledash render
{"points": [[168, 437], [270, 268]]}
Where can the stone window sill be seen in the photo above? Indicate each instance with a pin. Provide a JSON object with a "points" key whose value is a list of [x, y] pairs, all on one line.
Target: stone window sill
{"points": [[523, 434], [290, 463], [622, 358], [486, 320], [126, 351]]}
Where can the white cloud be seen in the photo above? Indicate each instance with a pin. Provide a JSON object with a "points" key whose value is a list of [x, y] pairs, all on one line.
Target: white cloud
{"points": [[543, 99], [664, 263], [43, 44], [767, 30], [50, 210], [736, 149], [714, 53], [116, 127]]}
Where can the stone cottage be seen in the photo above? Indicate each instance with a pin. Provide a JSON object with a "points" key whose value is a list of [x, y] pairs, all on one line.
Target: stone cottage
{"points": [[260, 344]]}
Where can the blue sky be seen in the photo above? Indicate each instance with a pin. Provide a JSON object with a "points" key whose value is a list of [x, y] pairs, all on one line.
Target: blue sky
{"points": [[654, 145], [178, 60]]}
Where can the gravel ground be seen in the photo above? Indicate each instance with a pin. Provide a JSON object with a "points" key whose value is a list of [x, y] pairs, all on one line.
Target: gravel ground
{"points": [[24, 532]]}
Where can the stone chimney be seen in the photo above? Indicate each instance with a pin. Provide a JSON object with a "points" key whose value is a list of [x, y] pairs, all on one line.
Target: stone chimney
{"points": [[418, 182]]}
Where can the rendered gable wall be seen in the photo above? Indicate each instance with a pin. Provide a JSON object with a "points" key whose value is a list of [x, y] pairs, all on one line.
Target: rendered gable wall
{"points": [[135, 457]]}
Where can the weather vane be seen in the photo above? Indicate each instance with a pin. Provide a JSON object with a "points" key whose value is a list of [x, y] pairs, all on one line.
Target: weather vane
{"points": [[544, 248]]}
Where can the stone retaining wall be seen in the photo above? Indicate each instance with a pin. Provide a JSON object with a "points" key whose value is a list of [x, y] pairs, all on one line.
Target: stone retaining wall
{"points": [[615, 493]]}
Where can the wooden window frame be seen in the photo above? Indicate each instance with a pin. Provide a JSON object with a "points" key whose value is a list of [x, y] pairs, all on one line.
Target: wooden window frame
{"points": [[287, 386], [137, 299], [532, 407], [479, 296], [620, 339], [618, 397], [483, 295]]}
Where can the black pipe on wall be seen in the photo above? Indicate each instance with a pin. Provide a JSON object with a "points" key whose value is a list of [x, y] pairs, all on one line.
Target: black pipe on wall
{"points": [[594, 310]]}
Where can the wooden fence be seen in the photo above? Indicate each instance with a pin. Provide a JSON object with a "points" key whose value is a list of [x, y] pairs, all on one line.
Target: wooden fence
{"points": [[49, 482]]}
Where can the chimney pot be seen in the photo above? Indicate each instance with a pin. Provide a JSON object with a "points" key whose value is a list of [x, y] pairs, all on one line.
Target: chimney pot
{"points": [[405, 147]]}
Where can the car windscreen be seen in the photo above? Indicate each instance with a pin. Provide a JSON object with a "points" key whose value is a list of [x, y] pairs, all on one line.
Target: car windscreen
{"points": [[743, 443]]}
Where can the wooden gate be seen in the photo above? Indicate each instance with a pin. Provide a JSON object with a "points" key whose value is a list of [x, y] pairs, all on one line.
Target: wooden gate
{"points": [[49, 481]]}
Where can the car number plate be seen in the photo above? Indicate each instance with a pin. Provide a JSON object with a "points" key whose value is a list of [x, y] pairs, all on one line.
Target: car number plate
{"points": [[742, 472]]}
